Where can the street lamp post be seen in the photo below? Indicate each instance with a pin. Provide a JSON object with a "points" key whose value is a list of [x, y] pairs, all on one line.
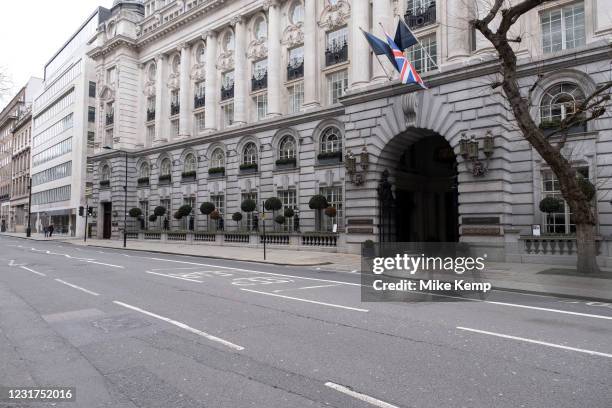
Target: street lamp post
{"points": [[125, 188], [29, 229]]}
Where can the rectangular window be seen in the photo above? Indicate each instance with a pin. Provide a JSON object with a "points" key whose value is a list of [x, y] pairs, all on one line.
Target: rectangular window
{"points": [[250, 218], [228, 114], [562, 28], [53, 195], [336, 50], [92, 89], [174, 128], [227, 85], [91, 114], [219, 201], [91, 140], [337, 38], [337, 84], [144, 207], [289, 200], [53, 152], [111, 75], [200, 123], [563, 222], [150, 135], [200, 88], [185, 221], [418, 54], [261, 106], [296, 97], [334, 198]]}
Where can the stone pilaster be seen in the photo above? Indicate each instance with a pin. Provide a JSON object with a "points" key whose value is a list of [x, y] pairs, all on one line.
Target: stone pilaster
{"points": [[240, 72], [161, 96], [360, 51], [186, 103], [382, 13], [311, 56], [458, 34], [212, 89], [274, 60]]}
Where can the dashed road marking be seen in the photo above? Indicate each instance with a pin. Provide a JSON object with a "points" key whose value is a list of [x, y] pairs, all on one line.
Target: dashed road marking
{"points": [[174, 277], [33, 271], [357, 395], [77, 287], [356, 309], [304, 288]]}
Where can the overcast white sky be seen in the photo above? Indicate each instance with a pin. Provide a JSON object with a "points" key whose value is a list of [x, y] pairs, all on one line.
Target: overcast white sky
{"points": [[31, 31]]}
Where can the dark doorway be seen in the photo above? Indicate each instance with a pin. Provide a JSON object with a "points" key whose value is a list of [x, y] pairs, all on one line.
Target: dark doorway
{"points": [[425, 195], [107, 210]]}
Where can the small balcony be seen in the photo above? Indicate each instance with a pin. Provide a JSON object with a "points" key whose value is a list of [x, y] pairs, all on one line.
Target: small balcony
{"points": [[227, 91], [295, 70], [199, 101], [421, 17], [259, 81], [110, 118], [150, 115], [175, 108], [336, 52]]}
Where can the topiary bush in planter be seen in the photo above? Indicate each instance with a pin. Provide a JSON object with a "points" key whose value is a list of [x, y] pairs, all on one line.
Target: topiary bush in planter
{"points": [[152, 217], [279, 219], [248, 167], [248, 205], [207, 208], [184, 210], [551, 205], [159, 211], [237, 216], [135, 212], [188, 174], [289, 212], [216, 170], [318, 202], [331, 212]]}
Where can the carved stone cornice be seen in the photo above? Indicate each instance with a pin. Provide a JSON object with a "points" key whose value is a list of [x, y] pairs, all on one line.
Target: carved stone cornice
{"points": [[335, 15], [293, 35]]}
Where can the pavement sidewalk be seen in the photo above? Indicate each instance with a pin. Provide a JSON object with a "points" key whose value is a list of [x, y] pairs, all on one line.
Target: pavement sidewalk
{"points": [[520, 277]]}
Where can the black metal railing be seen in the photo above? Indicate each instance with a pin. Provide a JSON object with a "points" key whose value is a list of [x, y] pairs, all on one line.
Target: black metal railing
{"points": [[295, 70], [421, 17], [110, 118], [175, 108], [227, 91], [336, 52], [260, 81], [198, 101], [150, 115]]}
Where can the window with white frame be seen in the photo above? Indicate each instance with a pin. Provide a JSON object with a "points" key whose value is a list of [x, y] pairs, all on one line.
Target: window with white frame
{"points": [[200, 89], [167, 204], [260, 28], [144, 207], [337, 84], [108, 137], [249, 153], [111, 76], [105, 174], [296, 97], [165, 169], [337, 39], [331, 140], [286, 148], [334, 199], [219, 201], [228, 114], [296, 56], [260, 68], [201, 54], [144, 171], [289, 200], [174, 99], [563, 28], [261, 106], [200, 122], [250, 216], [563, 222], [296, 12], [217, 159], [191, 164], [559, 101], [150, 135], [174, 128], [419, 54], [419, 6]]}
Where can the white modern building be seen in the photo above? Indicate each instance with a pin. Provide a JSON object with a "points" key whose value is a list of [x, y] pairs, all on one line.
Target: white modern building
{"points": [[223, 100], [63, 123]]}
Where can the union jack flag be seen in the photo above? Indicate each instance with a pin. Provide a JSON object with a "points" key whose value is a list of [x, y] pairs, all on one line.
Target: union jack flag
{"points": [[407, 72]]}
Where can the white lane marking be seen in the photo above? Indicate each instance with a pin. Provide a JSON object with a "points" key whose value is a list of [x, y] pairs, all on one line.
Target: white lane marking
{"points": [[359, 396], [12, 263], [304, 288], [359, 285], [106, 264], [182, 326], [33, 271], [77, 287], [543, 343], [356, 309], [175, 277]]}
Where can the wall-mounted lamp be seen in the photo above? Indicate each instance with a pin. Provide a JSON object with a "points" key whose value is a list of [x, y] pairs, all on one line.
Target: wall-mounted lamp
{"points": [[357, 177], [469, 149]]}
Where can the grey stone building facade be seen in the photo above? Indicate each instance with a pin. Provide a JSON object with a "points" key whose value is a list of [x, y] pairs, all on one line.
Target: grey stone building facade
{"points": [[397, 163]]}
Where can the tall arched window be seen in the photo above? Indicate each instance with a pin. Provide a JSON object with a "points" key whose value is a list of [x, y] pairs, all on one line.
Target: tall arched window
{"points": [[165, 169], [152, 72], [176, 64], [190, 163], [105, 173], [144, 170], [249, 154], [201, 54], [217, 159], [228, 41], [260, 28], [558, 102], [286, 148], [331, 140], [296, 12]]}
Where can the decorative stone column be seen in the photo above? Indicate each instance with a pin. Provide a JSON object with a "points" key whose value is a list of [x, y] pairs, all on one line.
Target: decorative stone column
{"points": [[311, 56], [186, 104], [458, 33], [161, 96], [360, 51], [240, 72], [382, 13], [212, 89], [274, 58]]}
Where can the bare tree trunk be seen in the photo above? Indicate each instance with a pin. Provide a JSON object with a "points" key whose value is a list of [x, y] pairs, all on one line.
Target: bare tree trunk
{"points": [[586, 247]]}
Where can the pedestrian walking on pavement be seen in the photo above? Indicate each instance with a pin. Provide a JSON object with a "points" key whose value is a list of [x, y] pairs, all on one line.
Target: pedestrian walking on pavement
{"points": [[51, 229]]}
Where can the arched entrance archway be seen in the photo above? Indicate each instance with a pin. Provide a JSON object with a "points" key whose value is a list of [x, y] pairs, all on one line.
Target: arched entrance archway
{"points": [[418, 200]]}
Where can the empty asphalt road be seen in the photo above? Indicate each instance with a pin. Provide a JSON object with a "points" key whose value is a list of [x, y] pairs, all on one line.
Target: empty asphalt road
{"points": [[133, 329]]}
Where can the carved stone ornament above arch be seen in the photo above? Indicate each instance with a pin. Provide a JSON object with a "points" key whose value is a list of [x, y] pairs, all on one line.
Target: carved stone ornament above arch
{"points": [[257, 49], [174, 81], [335, 15], [293, 35], [106, 93], [149, 88], [198, 72], [225, 62]]}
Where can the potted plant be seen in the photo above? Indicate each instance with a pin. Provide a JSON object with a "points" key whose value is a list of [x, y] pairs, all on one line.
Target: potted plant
{"points": [[143, 181], [318, 202], [331, 212], [273, 204], [136, 213], [248, 168], [551, 205], [207, 208], [188, 175], [329, 157], [237, 216], [215, 215], [286, 163], [248, 206], [279, 219], [159, 211], [165, 178], [216, 171]]}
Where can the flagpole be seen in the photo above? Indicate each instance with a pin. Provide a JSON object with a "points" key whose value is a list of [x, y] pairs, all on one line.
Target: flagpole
{"points": [[389, 77], [421, 44]]}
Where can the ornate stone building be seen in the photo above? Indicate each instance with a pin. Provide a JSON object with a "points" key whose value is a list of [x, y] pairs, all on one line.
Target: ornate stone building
{"points": [[220, 101]]}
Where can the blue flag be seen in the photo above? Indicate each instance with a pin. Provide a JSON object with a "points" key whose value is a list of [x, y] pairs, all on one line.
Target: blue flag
{"points": [[403, 36], [380, 47]]}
